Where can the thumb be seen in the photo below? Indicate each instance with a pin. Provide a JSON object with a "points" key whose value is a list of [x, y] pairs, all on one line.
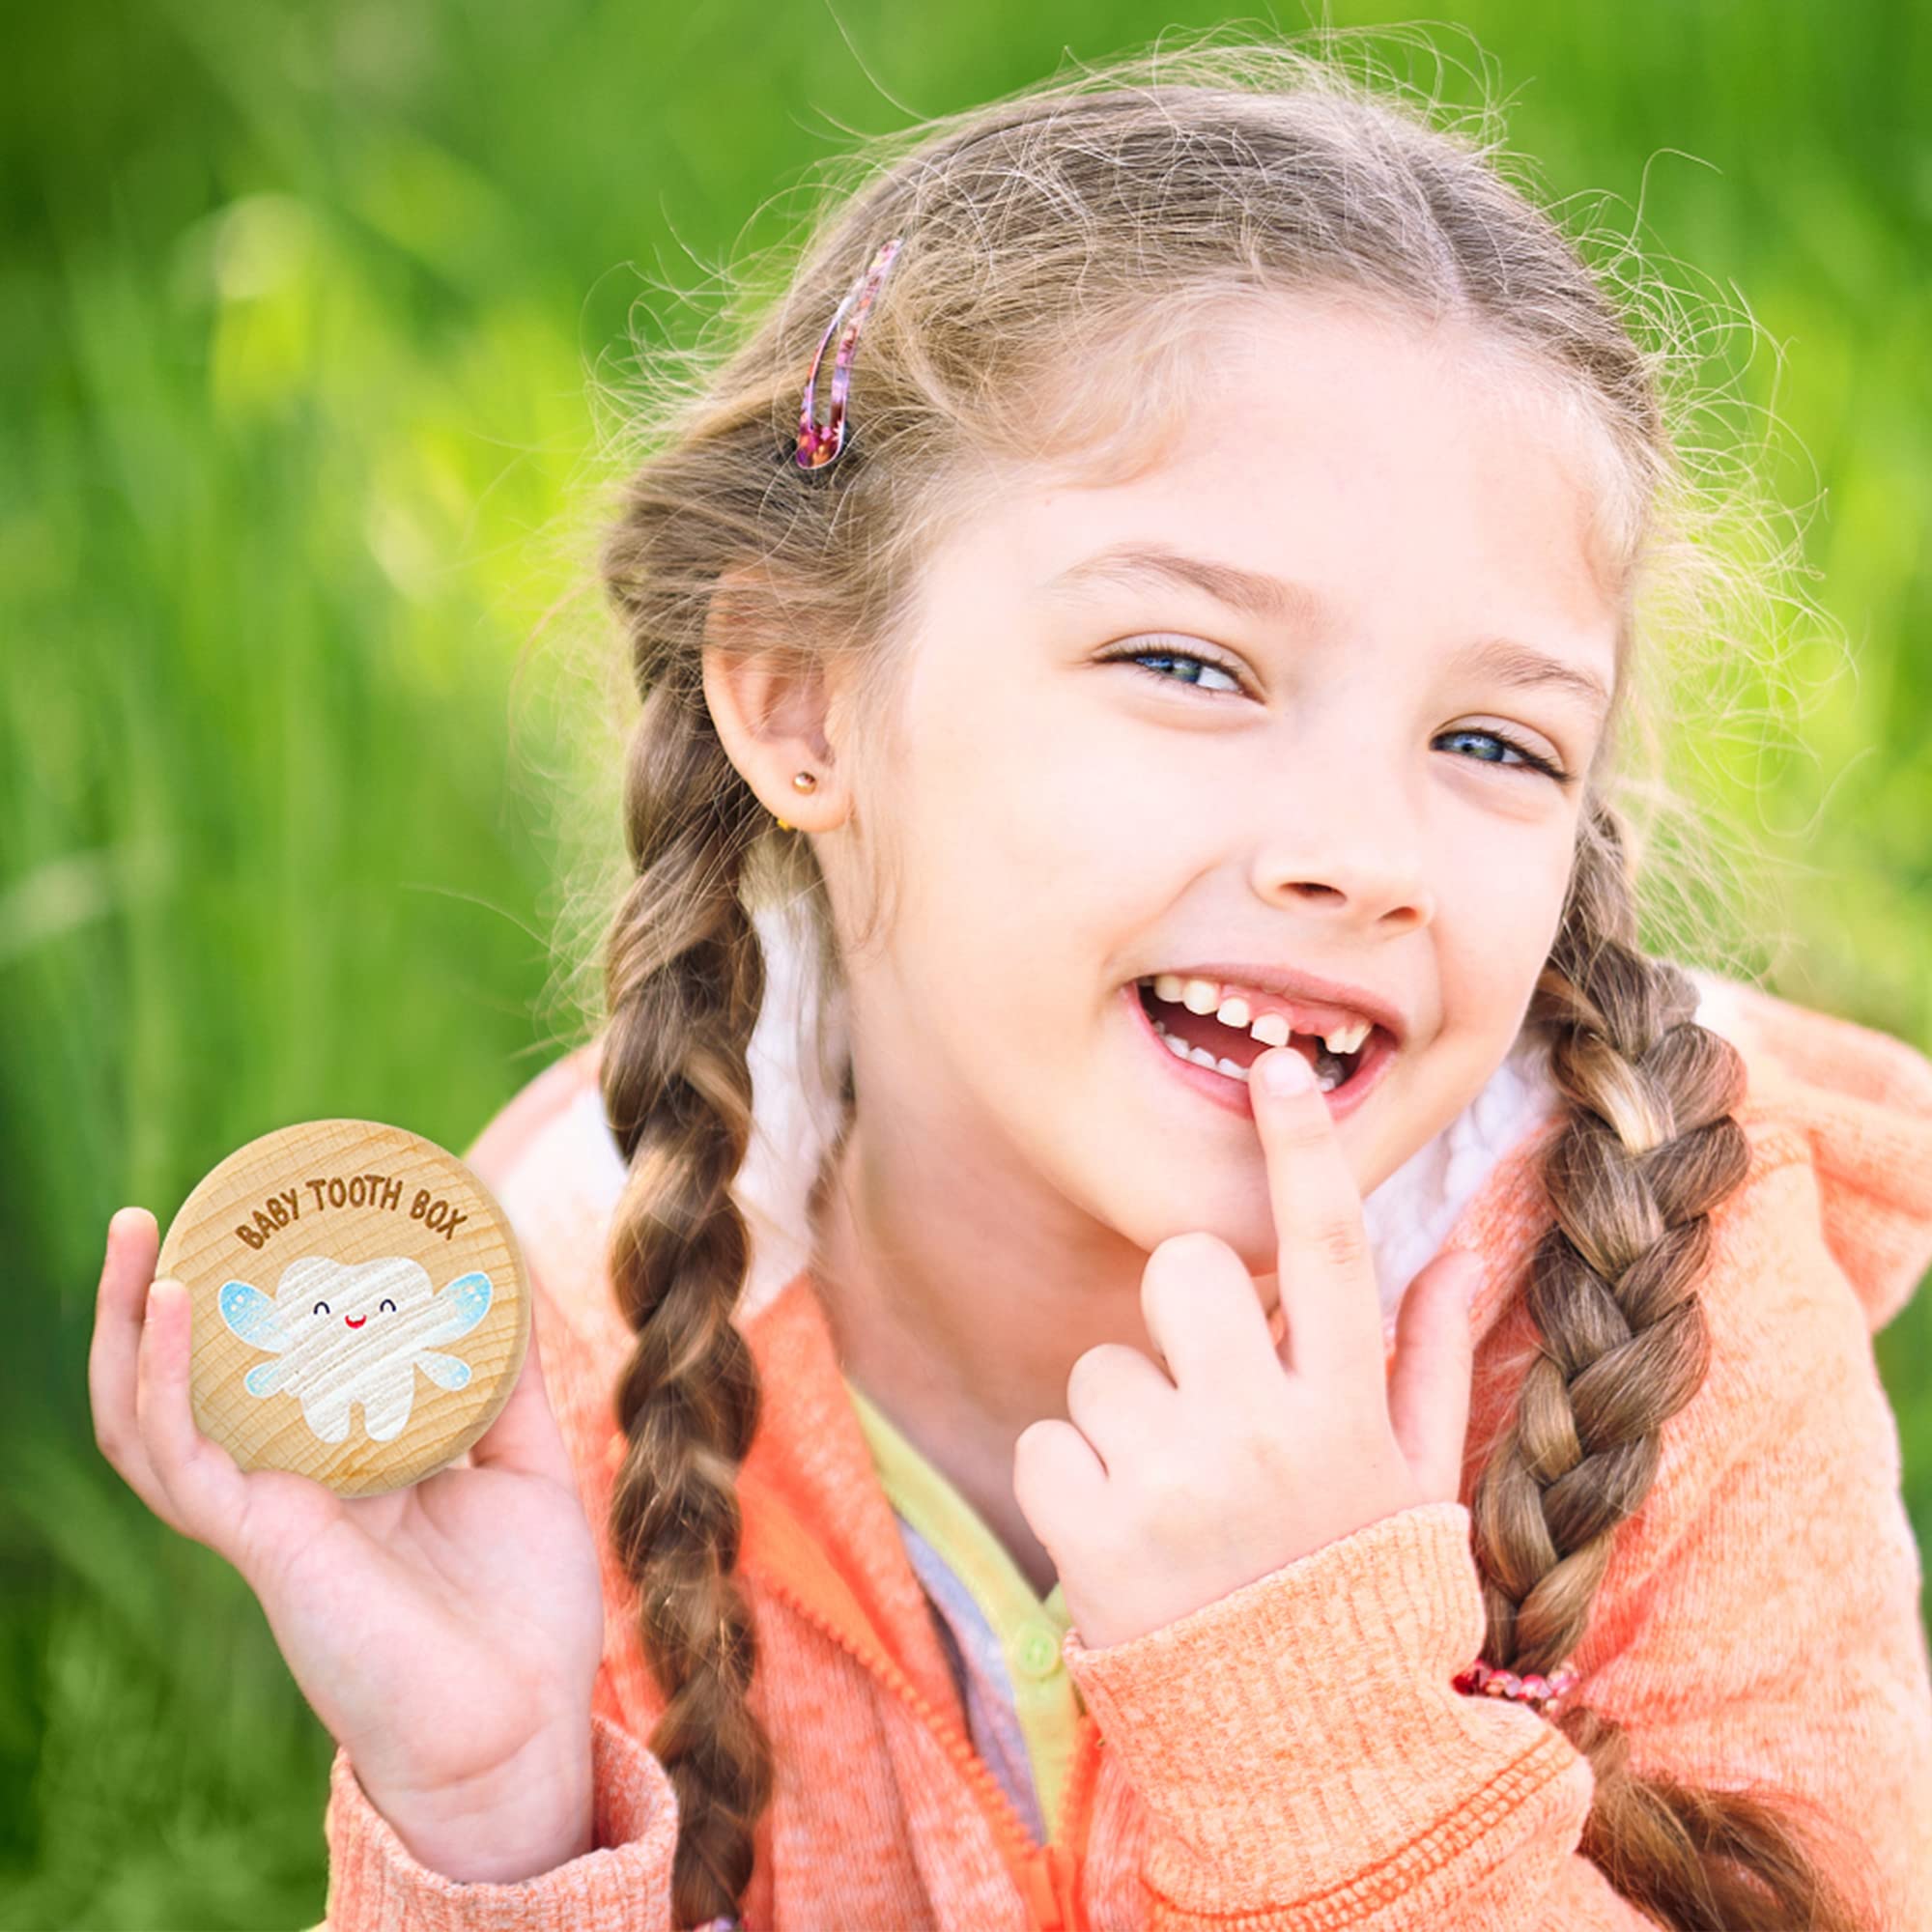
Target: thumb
{"points": [[1429, 1386], [526, 1437]]}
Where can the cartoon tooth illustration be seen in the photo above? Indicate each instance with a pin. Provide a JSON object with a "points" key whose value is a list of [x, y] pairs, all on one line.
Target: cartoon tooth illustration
{"points": [[342, 1334]]}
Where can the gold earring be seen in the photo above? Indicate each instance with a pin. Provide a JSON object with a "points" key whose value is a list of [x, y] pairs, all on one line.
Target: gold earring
{"points": [[801, 781]]}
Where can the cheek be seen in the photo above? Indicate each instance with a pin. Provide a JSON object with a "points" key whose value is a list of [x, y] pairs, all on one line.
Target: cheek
{"points": [[1019, 859], [1498, 915], [1018, 927], [1506, 888]]}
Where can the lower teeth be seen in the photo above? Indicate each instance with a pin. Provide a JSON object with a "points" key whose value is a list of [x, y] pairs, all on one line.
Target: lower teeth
{"points": [[1201, 1057]]}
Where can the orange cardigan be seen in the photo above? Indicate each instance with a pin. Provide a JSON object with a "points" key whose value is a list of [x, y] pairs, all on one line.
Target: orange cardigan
{"points": [[1292, 1755]]}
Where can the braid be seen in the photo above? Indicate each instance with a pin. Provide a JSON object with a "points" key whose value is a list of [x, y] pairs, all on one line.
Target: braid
{"points": [[1651, 1148], [684, 978]]}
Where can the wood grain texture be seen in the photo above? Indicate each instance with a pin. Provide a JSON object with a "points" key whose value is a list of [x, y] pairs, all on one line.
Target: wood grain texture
{"points": [[359, 1304]]}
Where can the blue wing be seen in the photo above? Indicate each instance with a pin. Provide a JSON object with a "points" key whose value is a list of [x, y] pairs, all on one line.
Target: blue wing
{"points": [[465, 1301], [251, 1314], [266, 1378], [446, 1371]]}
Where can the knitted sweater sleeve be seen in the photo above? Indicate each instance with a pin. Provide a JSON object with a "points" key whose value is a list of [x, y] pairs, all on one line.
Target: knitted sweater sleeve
{"points": [[1306, 1762], [623, 1884]]}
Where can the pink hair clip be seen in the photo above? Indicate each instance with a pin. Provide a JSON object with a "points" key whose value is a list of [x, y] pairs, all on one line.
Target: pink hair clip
{"points": [[1539, 1693], [818, 446]]}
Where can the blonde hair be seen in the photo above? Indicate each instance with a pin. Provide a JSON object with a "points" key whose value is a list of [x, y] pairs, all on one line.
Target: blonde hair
{"points": [[1060, 245]]}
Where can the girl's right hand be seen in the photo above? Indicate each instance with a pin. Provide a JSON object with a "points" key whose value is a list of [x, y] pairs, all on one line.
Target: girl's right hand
{"points": [[446, 1635]]}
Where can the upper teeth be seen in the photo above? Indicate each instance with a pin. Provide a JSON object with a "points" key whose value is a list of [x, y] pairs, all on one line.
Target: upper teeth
{"points": [[1205, 996]]}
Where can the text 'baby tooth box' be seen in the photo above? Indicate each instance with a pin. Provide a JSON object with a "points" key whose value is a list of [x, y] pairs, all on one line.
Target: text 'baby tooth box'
{"points": [[360, 1305]]}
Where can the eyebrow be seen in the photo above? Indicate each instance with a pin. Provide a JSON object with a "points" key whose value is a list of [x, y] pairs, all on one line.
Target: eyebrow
{"points": [[1281, 601]]}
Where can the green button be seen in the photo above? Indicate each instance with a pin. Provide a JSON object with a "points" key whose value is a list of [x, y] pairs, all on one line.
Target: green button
{"points": [[1037, 1651]]}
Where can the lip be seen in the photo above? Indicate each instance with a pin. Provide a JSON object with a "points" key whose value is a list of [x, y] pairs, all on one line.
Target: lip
{"points": [[355, 1321], [1378, 1054], [1300, 989]]}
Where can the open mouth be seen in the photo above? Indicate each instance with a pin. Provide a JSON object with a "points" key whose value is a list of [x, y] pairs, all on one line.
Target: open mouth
{"points": [[355, 1321], [1208, 1042]]}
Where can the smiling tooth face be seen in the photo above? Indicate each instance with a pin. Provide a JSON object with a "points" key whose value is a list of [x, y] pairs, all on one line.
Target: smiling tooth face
{"points": [[318, 1295], [342, 1334]]}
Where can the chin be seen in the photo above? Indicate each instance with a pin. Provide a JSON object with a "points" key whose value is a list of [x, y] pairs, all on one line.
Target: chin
{"points": [[1238, 1215]]}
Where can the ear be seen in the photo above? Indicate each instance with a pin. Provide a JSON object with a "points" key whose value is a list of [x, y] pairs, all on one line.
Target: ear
{"points": [[770, 704]]}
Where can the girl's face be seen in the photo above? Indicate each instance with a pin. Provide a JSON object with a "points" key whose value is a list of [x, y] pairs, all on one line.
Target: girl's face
{"points": [[1326, 786]]}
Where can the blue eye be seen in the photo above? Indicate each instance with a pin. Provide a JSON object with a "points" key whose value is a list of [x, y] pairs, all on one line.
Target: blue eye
{"points": [[1143, 660], [1531, 761], [1140, 658]]}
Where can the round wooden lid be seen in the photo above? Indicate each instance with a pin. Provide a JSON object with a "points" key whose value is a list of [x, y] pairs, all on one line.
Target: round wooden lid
{"points": [[360, 1307]]}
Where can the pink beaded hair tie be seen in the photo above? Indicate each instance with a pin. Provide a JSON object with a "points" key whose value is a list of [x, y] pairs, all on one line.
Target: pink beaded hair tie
{"points": [[819, 445], [1540, 1693]]}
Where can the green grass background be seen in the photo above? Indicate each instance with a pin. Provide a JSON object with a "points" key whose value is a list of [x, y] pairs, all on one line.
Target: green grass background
{"points": [[300, 312]]}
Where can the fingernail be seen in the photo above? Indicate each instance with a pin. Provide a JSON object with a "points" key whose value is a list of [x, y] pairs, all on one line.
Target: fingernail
{"points": [[122, 1223], [1283, 1070]]}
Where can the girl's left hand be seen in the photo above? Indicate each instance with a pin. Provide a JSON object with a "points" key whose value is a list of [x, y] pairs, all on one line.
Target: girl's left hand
{"points": [[1168, 1489]]}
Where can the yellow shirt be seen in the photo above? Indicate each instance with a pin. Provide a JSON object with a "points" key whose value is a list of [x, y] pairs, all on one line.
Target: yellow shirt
{"points": [[1001, 1640]]}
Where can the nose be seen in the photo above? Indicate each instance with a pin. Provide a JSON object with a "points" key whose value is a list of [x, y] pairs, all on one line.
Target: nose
{"points": [[1374, 899], [1350, 856]]}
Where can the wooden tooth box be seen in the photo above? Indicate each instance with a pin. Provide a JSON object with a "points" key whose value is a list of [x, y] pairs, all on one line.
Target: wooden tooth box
{"points": [[359, 1304]]}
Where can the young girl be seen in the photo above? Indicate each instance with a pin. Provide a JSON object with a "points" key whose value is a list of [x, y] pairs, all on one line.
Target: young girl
{"points": [[1158, 1316]]}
